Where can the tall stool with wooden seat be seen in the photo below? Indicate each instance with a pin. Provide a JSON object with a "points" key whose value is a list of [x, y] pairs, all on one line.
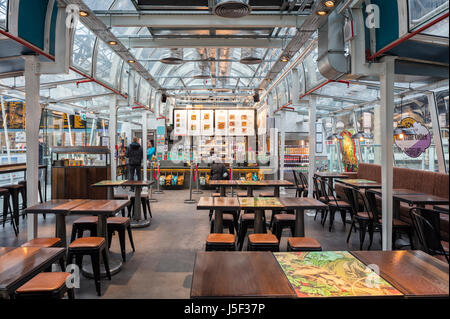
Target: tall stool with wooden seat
{"points": [[211, 211], [14, 191], [228, 222], [82, 224], [241, 194], [247, 221], [124, 197], [220, 242], [266, 194], [263, 242], [92, 246], [46, 285], [46, 243], [5, 194], [23, 192], [303, 244], [120, 224], [145, 202], [282, 221]]}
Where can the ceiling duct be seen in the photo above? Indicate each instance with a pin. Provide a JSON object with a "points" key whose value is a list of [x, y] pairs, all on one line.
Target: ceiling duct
{"points": [[232, 8], [251, 56], [172, 56], [202, 69]]}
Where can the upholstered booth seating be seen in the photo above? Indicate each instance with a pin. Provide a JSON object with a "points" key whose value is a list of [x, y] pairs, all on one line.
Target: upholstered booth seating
{"points": [[425, 182]]}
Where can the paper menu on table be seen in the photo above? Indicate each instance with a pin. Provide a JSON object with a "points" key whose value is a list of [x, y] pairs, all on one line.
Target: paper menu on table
{"points": [[207, 122], [180, 122]]}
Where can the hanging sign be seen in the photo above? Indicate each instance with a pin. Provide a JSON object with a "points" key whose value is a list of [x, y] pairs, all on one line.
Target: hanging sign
{"points": [[415, 144], [348, 151]]}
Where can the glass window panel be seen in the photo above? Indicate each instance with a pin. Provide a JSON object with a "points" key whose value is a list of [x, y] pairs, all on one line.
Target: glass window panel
{"points": [[123, 5], [443, 117], [98, 5], [108, 65], [423, 11], [3, 13], [83, 45]]}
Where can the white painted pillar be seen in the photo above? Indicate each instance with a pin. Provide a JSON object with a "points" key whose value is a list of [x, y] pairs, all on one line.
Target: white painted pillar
{"points": [[436, 133], [282, 142], [93, 129], [144, 142], [376, 134], [112, 136], [32, 118], [387, 81], [312, 143]]}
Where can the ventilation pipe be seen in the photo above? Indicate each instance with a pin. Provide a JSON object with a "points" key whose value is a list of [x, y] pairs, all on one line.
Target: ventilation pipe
{"points": [[251, 56], [332, 60], [202, 69], [224, 67], [172, 56], [232, 8]]}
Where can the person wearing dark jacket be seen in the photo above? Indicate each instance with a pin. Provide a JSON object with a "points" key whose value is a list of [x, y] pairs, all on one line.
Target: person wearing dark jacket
{"points": [[134, 154], [218, 170]]}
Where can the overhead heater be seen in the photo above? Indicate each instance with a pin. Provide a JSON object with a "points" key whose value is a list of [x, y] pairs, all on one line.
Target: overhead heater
{"points": [[232, 8]]}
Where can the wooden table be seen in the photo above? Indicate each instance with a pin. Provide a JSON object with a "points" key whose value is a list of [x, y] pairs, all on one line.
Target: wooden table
{"points": [[259, 204], [60, 208], [238, 274], [441, 209], [300, 204], [414, 273], [137, 220], [103, 209], [396, 202], [20, 264], [250, 185], [330, 176], [358, 183]]}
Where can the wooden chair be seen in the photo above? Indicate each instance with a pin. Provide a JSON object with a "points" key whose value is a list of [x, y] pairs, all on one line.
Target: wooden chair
{"points": [[46, 285], [92, 246]]}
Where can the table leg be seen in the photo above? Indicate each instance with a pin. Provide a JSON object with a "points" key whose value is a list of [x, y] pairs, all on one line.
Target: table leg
{"points": [[109, 193], [249, 191], [222, 191], [276, 191], [218, 222], [396, 212], [137, 221], [115, 260], [45, 183], [259, 219], [61, 228], [299, 222]]}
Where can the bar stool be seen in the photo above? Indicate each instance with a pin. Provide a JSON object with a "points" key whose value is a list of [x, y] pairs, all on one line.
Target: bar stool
{"points": [[263, 242], [23, 192], [145, 205], [241, 194], [119, 225], [228, 221], [82, 224], [282, 221], [92, 246], [124, 197], [46, 285], [247, 221], [220, 242], [303, 244], [266, 194], [14, 190], [6, 209], [211, 211]]}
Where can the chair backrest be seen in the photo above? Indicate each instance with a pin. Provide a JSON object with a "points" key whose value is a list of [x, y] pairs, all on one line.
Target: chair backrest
{"points": [[304, 179], [426, 224], [317, 189], [296, 178], [348, 191], [373, 207]]}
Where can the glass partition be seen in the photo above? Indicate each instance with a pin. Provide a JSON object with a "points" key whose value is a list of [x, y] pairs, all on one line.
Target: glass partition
{"points": [[3, 14], [443, 118], [83, 47]]}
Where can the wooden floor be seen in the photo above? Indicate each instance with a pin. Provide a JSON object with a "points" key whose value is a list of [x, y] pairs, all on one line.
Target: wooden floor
{"points": [[163, 262]]}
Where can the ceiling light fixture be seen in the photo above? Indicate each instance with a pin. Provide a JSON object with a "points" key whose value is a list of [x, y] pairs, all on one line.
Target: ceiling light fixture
{"points": [[131, 61], [83, 13], [322, 12], [112, 42], [285, 58], [329, 3]]}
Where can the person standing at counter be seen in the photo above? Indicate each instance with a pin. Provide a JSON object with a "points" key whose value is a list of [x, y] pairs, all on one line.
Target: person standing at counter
{"points": [[134, 154], [218, 169]]}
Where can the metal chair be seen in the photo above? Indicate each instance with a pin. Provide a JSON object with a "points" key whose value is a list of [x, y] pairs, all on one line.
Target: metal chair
{"points": [[333, 203], [426, 224]]}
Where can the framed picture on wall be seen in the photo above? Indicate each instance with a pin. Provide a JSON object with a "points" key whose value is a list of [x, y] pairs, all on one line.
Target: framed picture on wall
{"points": [[319, 147]]}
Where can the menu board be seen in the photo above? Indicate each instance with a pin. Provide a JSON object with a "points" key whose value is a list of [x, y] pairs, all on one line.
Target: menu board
{"points": [[221, 121], [180, 122], [194, 128], [241, 122], [207, 122]]}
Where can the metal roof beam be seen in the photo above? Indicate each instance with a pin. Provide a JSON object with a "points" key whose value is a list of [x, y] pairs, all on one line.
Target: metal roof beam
{"points": [[207, 21], [206, 42]]}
